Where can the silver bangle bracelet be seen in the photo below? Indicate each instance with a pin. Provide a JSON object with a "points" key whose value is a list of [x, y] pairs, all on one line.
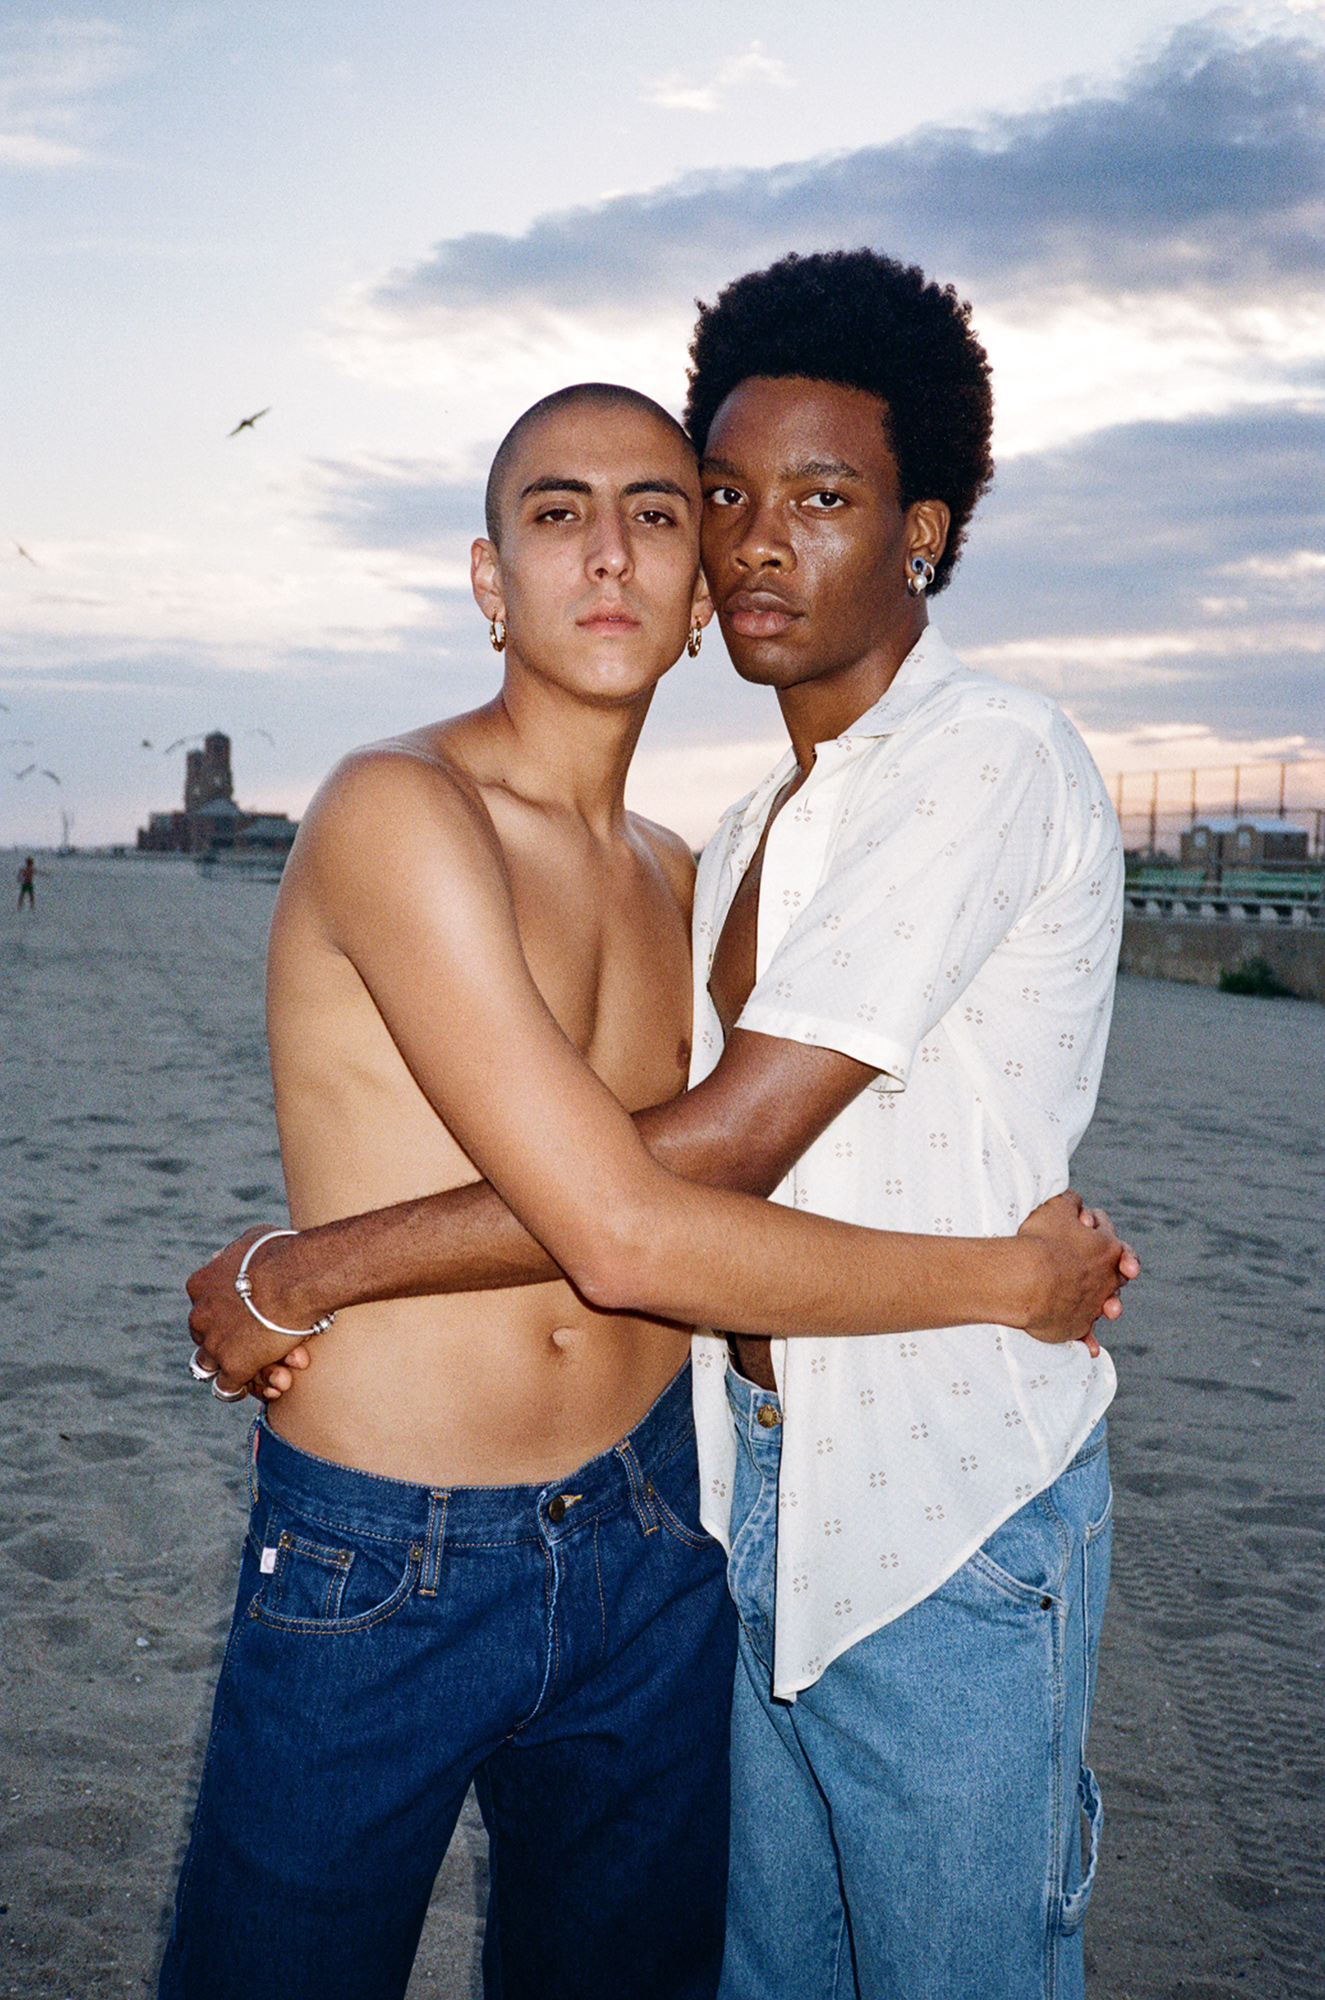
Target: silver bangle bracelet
{"points": [[244, 1286]]}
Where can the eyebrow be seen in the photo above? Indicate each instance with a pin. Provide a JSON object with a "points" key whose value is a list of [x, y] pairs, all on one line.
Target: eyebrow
{"points": [[553, 482], [810, 468]]}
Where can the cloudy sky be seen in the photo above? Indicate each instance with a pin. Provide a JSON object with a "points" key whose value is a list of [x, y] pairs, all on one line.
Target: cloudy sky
{"points": [[398, 225]]}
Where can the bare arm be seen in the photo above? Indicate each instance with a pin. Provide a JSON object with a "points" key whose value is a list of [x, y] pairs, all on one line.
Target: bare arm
{"points": [[740, 1130]]}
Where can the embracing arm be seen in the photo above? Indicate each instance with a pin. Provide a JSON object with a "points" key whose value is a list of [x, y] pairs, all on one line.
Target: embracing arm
{"points": [[640, 1216], [742, 1129]]}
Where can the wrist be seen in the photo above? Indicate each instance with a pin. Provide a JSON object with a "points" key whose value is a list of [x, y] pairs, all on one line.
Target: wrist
{"points": [[1023, 1277], [285, 1284]]}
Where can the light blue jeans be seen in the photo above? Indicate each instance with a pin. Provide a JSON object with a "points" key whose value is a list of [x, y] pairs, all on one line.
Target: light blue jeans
{"points": [[910, 1827]]}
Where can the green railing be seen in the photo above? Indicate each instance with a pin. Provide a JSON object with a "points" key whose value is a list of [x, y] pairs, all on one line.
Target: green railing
{"points": [[1276, 890]]}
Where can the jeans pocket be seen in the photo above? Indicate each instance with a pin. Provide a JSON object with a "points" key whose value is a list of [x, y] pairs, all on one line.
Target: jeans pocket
{"points": [[1026, 1556], [695, 1537], [312, 1582]]}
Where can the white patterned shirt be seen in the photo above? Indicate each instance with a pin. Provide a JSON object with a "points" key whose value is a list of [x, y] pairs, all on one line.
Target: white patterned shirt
{"points": [[941, 900]]}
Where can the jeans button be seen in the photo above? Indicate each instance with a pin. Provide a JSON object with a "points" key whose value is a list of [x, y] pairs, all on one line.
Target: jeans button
{"points": [[556, 1509], [768, 1415]]}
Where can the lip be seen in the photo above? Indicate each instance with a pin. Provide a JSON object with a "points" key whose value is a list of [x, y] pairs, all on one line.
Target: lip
{"points": [[608, 619], [758, 614]]}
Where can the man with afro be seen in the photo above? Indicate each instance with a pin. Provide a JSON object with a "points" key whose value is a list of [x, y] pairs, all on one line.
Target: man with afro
{"points": [[924, 901]]}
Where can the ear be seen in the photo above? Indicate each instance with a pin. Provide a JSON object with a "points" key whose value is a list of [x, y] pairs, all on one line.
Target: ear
{"points": [[701, 610], [927, 524], [485, 578]]}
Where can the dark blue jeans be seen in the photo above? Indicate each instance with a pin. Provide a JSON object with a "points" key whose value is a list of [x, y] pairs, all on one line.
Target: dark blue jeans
{"points": [[569, 1648]]}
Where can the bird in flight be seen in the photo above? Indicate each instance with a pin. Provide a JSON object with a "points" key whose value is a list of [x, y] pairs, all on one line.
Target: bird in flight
{"points": [[247, 423], [178, 740], [262, 732], [26, 557], [51, 774], [26, 772]]}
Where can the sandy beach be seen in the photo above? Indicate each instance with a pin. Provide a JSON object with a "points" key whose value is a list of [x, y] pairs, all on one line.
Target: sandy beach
{"points": [[137, 1134]]}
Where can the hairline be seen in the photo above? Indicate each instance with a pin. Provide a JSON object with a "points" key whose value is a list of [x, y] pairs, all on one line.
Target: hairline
{"points": [[607, 395]]}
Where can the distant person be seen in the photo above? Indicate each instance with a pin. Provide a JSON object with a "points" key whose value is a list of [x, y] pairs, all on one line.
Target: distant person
{"points": [[905, 943], [27, 879], [475, 1550]]}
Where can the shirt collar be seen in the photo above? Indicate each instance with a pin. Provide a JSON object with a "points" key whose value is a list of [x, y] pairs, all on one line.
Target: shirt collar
{"points": [[930, 660]]}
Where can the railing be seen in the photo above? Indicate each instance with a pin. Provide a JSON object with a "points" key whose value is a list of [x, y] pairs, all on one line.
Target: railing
{"points": [[1271, 892]]}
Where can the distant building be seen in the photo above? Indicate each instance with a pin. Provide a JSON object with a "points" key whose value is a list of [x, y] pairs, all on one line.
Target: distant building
{"points": [[1246, 842], [207, 773], [211, 822]]}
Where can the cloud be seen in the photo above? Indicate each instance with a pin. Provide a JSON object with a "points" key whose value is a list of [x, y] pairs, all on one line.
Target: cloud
{"points": [[304, 591], [1203, 173], [1160, 571], [49, 70], [395, 503], [677, 92]]}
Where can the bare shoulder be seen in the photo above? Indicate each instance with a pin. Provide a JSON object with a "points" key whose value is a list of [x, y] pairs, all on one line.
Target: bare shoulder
{"points": [[672, 855], [396, 792], [397, 827]]}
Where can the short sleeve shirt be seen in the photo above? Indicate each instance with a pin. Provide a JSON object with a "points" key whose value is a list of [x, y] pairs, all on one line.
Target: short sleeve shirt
{"points": [[941, 900]]}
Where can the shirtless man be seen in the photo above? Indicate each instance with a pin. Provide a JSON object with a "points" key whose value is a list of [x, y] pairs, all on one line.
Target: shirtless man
{"points": [[475, 1549]]}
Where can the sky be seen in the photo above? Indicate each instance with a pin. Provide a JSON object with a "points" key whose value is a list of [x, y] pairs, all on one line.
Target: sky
{"points": [[392, 228]]}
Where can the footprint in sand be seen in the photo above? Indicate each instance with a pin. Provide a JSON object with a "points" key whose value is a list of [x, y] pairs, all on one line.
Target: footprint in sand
{"points": [[59, 1558]]}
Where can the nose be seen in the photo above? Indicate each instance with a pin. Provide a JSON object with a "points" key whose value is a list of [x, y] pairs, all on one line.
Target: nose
{"points": [[762, 541], [609, 552]]}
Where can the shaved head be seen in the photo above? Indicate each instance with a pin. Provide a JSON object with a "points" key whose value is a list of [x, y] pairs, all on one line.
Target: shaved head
{"points": [[601, 395]]}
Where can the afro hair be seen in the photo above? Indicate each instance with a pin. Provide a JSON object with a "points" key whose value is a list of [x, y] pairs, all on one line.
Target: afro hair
{"points": [[861, 319]]}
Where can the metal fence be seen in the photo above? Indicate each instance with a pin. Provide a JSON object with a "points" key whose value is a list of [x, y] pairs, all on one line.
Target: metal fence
{"points": [[1157, 807]]}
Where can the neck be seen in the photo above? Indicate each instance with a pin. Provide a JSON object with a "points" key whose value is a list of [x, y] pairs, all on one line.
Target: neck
{"points": [[816, 711], [563, 751]]}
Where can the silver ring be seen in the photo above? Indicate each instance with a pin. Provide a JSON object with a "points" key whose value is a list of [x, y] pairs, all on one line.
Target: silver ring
{"points": [[227, 1395], [196, 1369]]}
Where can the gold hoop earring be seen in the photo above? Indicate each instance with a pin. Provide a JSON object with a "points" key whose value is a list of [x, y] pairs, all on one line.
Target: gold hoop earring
{"points": [[695, 641], [497, 635]]}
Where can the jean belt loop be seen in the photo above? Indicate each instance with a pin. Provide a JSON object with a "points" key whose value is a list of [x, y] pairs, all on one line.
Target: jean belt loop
{"points": [[255, 1431], [645, 1512], [435, 1536]]}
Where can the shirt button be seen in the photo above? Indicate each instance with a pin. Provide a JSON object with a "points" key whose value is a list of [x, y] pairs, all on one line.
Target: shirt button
{"points": [[556, 1509], [768, 1415]]}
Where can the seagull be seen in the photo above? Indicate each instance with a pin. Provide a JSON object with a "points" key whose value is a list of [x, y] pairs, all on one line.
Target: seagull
{"points": [[176, 744], [26, 772], [262, 732], [147, 743], [245, 423], [26, 557], [52, 775]]}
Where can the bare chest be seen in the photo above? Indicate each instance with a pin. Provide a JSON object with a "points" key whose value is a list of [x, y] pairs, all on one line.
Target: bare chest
{"points": [[610, 953], [735, 960]]}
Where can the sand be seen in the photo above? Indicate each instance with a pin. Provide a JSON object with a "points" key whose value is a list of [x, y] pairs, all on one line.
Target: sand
{"points": [[137, 1132]]}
